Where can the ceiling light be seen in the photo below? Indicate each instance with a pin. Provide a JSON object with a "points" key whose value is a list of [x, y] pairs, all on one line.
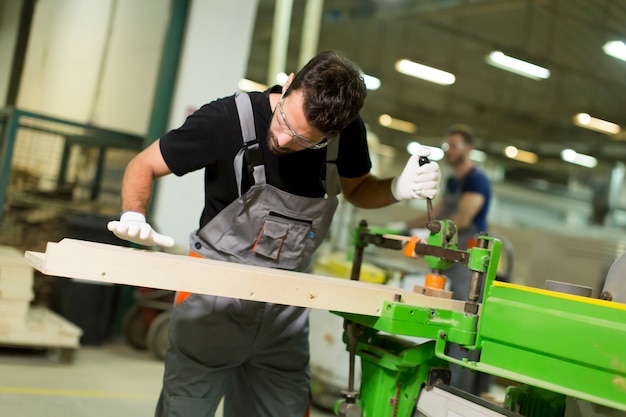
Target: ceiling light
{"points": [[249, 85], [573, 157], [510, 151], [371, 82], [436, 154], [526, 69], [599, 125], [617, 49], [477, 156], [281, 78], [424, 72], [397, 124], [520, 155]]}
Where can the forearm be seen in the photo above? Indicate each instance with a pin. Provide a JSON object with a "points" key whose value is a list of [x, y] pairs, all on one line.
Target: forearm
{"points": [[136, 188], [371, 193], [139, 178], [468, 208], [462, 222], [416, 181]]}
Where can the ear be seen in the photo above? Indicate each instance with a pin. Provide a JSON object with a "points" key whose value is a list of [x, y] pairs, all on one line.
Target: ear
{"points": [[288, 82]]}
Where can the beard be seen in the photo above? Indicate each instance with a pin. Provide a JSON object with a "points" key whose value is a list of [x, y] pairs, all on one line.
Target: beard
{"points": [[454, 162], [272, 144]]}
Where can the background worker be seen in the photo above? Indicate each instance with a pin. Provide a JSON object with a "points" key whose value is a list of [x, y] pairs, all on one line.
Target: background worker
{"points": [[465, 201], [269, 165]]}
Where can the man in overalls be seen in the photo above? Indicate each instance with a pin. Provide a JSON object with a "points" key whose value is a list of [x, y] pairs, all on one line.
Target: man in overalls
{"points": [[270, 160], [465, 201]]}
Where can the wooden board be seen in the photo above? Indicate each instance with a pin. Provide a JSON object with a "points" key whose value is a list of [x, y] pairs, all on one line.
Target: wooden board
{"points": [[108, 263], [13, 311], [16, 276], [16, 286], [14, 271], [42, 328], [11, 255]]}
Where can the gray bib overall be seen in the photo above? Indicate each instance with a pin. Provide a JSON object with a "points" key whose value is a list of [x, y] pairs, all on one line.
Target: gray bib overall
{"points": [[254, 354]]}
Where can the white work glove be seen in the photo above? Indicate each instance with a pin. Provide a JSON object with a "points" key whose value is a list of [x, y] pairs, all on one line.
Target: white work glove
{"points": [[417, 181], [132, 226]]}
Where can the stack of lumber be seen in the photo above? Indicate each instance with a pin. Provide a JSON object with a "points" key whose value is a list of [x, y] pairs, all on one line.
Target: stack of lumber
{"points": [[23, 325], [16, 286]]}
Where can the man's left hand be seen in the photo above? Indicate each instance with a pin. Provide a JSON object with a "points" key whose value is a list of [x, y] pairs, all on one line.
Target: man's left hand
{"points": [[417, 181]]}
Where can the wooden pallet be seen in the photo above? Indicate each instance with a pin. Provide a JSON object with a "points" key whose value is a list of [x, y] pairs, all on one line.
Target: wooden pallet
{"points": [[42, 329]]}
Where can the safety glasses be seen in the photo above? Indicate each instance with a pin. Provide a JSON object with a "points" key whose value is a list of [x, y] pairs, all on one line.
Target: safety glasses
{"points": [[299, 139]]}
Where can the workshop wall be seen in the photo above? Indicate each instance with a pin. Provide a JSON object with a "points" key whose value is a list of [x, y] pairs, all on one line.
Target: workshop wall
{"points": [[9, 16], [95, 62], [208, 70]]}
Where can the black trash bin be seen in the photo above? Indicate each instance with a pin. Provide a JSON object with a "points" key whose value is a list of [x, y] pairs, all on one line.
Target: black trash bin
{"points": [[90, 305]]}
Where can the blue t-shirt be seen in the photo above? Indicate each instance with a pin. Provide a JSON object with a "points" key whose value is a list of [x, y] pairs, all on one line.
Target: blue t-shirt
{"points": [[475, 181]]}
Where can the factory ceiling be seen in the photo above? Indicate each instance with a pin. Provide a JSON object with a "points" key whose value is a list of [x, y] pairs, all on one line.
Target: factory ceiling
{"points": [[503, 108]]}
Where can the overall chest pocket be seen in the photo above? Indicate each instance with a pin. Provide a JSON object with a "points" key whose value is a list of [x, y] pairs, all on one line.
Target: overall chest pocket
{"points": [[284, 239]]}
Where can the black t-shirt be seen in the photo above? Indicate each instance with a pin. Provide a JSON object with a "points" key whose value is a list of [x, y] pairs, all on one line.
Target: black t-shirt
{"points": [[211, 137]]}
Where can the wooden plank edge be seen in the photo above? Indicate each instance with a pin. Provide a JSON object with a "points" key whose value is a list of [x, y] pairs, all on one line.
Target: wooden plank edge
{"points": [[35, 259]]}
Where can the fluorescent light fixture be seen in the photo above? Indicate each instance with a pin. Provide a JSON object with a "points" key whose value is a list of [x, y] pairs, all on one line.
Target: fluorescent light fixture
{"points": [[397, 124], [593, 123], [573, 157], [477, 156], [520, 155], [249, 85], [616, 49], [371, 82], [424, 72], [510, 151], [500, 60], [436, 154], [281, 78]]}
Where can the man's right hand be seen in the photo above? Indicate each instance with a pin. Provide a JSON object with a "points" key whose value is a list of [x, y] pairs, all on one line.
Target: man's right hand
{"points": [[132, 226]]}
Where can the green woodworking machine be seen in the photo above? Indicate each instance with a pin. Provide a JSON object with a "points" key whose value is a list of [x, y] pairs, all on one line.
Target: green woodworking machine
{"points": [[561, 349]]}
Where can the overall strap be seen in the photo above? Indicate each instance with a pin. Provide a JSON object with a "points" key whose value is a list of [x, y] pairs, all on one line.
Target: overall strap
{"points": [[331, 182], [251, 147], [252, 151]]}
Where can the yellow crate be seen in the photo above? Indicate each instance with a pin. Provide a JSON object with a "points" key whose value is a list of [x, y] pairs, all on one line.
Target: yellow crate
{"points": [[339, 266]]}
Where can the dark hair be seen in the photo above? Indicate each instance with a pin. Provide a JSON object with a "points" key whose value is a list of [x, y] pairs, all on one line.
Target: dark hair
{"points": [[465, 132], [334, 91]]}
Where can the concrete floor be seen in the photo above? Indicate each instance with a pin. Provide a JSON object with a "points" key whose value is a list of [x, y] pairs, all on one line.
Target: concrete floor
{"points": [[113, 380]]}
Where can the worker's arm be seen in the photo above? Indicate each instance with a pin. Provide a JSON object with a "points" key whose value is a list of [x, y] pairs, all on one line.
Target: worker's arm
{"points": [[416, 181], [367, 191], [469, 206], [139, 178]]}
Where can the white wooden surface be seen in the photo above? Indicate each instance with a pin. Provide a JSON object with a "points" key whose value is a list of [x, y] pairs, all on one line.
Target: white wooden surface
{"points": [[16, 286], [13, 311], [42, 328], [108, 263]]}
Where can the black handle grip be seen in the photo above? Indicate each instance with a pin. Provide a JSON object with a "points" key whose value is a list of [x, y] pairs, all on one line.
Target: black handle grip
{"points": [[423, 160]]}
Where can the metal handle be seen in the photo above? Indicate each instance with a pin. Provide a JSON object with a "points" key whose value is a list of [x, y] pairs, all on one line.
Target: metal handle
{"points": [[429, 202]]}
